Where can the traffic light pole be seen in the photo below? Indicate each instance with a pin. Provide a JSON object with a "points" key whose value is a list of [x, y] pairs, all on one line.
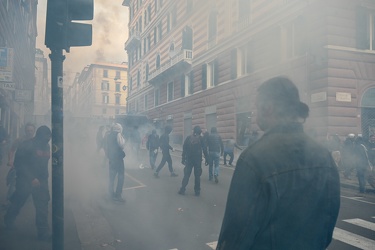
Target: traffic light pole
{"points": [[57, 59]]}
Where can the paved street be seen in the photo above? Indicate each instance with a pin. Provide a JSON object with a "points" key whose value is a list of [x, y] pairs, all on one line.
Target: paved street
{"points": [[155, 216]]}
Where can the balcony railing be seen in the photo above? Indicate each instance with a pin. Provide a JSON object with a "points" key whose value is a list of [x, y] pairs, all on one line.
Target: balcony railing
{"points": [[244, 23], [134, 38], [182, 57]]}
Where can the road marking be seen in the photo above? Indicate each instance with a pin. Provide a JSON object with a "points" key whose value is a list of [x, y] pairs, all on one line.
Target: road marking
{"points": [[141, 185], [358, 199], [362, 223], [353, 239], [212, 244]]}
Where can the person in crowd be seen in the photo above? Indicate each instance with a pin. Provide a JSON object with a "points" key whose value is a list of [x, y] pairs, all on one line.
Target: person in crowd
{"points": [[31, 163], [348, 156], [152, 146], [3, 140], [215, 150], [362, 163], [99, 139], [165, 147], [229, 150], [192, 159], [11, 176], [283, 182], [116, 155]]}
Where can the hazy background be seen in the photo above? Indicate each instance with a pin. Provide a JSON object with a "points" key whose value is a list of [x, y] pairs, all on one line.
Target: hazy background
{"points": [[110, 32]]}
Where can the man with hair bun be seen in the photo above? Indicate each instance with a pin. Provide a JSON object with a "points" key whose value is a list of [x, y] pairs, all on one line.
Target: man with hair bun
{"points": [[285, 190]]}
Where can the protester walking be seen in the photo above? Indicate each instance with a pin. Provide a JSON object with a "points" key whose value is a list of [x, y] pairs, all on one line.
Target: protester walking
{"points": [[152, 146], [215, 150], [116, 155], [285, 190], [31, 163], [192, 159], [229, 150], [165, 148]]}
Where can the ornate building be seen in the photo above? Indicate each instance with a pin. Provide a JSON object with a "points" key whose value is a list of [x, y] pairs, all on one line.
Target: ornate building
{"points": [[17, 62], [200, 62]]}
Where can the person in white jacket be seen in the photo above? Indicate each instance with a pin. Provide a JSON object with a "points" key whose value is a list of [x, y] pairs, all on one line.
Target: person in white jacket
{"points": [[116, 154]]}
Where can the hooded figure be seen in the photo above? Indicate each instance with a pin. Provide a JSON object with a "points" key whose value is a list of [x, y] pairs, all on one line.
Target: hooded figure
{"points": [[165, 147], [116, 154], [31, 163]]}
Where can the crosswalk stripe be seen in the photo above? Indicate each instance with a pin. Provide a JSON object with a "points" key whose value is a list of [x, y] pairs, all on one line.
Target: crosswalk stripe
{"points": [[212, 244], [353, 239], [362, 223]]}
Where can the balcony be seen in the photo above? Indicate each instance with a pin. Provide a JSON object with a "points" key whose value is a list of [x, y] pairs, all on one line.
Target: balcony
{"points": [[133, 40], [243, 23], [179, 62]]}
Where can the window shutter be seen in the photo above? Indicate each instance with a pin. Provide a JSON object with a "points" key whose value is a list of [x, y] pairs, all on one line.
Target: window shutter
{"points": [[191, 83], [216, 72], [233, 59], [362, 29], [204, 76], [182, 85]]}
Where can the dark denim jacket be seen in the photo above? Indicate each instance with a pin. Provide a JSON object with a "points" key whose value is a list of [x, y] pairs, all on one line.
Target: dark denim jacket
{"points": [[285, 194]]}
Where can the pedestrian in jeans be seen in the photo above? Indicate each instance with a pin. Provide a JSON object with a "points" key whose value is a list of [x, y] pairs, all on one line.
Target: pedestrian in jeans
{"points": [[116, 154], [215, 150], [229, 150], [152, 146], [165, 147]]}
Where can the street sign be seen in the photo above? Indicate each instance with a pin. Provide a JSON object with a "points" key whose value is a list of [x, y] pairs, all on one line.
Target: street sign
{"points": [[6, 64], [23, 95], [7, 85]]}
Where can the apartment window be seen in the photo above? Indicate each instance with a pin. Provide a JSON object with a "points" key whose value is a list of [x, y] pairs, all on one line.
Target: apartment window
{"points": [[146, 16], [118, 87], [160, 30], [140, 24], [156, 5], [155, 36], [161, 3], [212, 73], [118, 74], [187, 38], [138, 78], [144, 46], [212, 25], [117, 99], [147, 72], [105, 99], [170, 91], [365, 29], [294, 38], [156, 96], [168, 22], [146, 102], [243, 9], [148, 42], [105, 73], [130, 83], [174, 16], [157, 61], [187, 84], [105, 85], [189, 6], [149, 12]]}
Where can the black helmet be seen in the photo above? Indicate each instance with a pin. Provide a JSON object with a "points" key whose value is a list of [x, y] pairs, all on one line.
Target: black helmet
{"points": [[197, 130]]}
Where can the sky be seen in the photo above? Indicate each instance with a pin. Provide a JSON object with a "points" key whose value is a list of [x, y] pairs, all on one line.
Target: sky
{"points": [[110, 32]]}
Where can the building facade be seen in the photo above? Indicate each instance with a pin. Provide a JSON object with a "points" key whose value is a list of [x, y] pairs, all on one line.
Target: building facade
{"points": [[17, 61], [200, 62], [99, 91]]}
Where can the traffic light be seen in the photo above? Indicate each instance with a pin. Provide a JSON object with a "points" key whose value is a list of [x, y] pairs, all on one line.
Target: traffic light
{"points": [[62, 32]]}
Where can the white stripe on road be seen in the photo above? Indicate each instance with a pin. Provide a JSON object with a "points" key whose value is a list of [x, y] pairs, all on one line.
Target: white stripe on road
{"points": [[353, 239], [212, 244], [362, 223], [358, 199], [141, 185]]}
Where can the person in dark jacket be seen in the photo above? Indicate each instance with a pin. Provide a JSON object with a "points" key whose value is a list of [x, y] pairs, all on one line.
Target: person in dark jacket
{"points": [[285, 190], [192, 158], [165, 147], [362, 163], [215, 150], [348, 156], [116, 154], [31, 163], [152, 146]]}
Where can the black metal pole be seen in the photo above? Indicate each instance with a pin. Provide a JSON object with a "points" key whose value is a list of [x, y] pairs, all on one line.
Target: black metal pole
{"points": [[57, 59]]}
